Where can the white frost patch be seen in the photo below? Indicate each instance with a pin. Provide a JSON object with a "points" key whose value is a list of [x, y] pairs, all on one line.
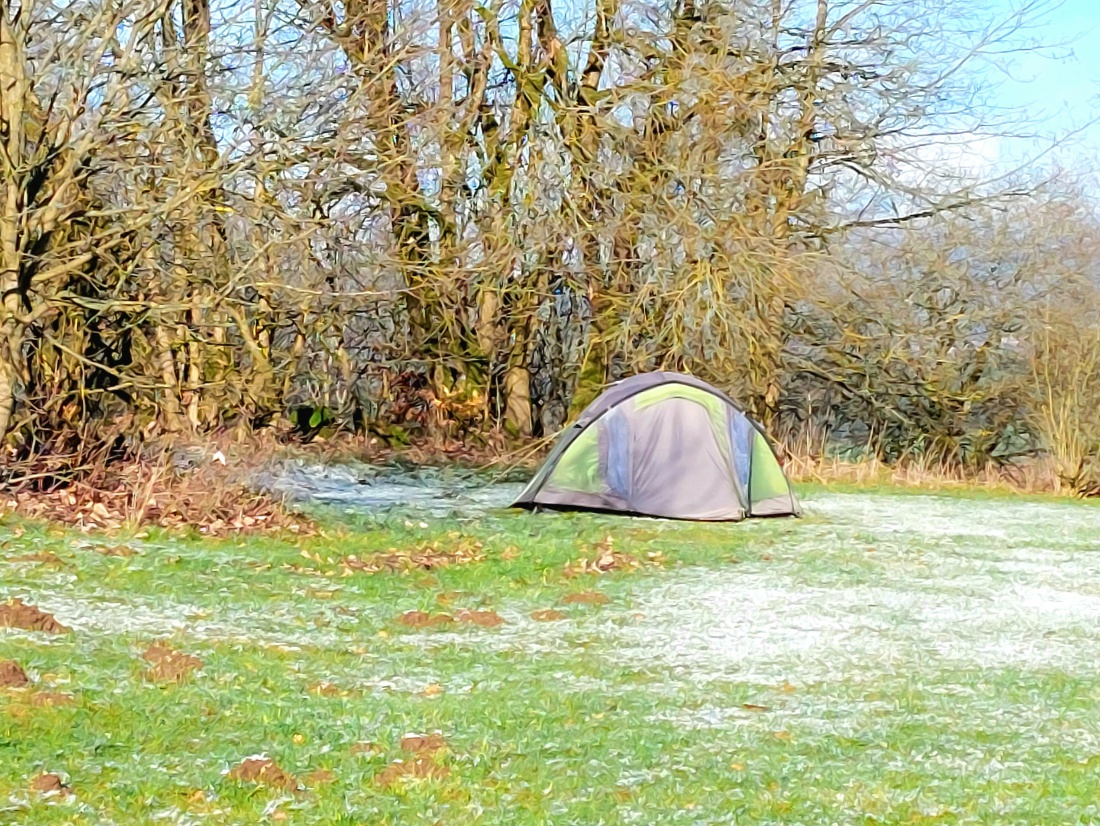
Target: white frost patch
{"points": [[768, 628]]}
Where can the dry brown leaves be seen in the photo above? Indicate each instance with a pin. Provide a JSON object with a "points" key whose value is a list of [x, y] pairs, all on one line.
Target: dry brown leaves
{"points": [[424, 743], [455, 549], [50, 699], [427, 749], [422, 768], [320, 777], [263, 771], [605, 559], [17, 614], [327, 689], [41, 557], [547, 615], [120, 551], [486, 619], [586, 598], [422, 619], [12, 674], [210, 498], [169, 665], [50, 784]]}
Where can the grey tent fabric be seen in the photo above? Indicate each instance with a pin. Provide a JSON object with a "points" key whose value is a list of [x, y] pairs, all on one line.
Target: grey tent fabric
{"points": [[664, 445]]}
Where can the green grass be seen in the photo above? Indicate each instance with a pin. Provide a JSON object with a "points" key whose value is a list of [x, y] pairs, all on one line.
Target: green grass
{"points": [[571, 721]]}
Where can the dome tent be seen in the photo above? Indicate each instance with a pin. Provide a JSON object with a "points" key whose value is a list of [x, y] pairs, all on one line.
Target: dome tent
{"points": [[664, 445]]}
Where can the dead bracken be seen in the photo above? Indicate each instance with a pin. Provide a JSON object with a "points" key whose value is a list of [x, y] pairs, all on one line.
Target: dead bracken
{"points": [[167, 665], [12, 675], [263, 771], [17, 614]]}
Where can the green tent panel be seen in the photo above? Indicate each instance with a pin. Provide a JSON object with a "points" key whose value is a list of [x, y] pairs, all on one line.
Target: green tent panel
{"points": [[665, 445]]}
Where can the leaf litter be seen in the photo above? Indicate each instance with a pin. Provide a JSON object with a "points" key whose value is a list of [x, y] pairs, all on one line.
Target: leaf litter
{"points": [[263, 771], [12, 675], [605, 559], [547, 615], [50, 785], [167, 665], [454, 549], [17, 614], [586, 598]]}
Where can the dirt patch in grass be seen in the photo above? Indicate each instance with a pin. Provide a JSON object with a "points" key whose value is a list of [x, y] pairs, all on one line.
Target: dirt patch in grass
{"points": [[12, 675], [263, 771], [547, 615], [167, 665], [50, 784], [486, 619], [423, 743], [586, 598], [422, 768], [422, 619], [17, 614]]}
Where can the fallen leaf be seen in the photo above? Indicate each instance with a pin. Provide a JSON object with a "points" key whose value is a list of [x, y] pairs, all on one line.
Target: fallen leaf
{"points": [[423, 743], [547, 615]]}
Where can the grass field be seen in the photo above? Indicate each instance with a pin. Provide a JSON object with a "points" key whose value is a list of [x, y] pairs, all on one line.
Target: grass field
{"points": [[889, 658]]}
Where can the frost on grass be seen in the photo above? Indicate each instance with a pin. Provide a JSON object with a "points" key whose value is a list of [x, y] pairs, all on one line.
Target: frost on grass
{"points": [[1009, 603]]}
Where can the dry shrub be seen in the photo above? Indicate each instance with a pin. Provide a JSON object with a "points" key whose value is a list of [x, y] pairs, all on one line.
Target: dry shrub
{"points": [[1065, 366]]}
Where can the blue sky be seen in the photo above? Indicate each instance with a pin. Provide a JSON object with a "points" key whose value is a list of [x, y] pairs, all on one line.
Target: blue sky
{"points": [[1059, 86]]}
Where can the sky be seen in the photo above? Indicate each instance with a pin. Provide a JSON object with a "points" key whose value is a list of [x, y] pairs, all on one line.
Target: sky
{"points": [[1058, 85]]}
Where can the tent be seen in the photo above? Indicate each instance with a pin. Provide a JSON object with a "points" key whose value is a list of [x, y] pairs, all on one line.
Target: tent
{"points": [[665, 445]]}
